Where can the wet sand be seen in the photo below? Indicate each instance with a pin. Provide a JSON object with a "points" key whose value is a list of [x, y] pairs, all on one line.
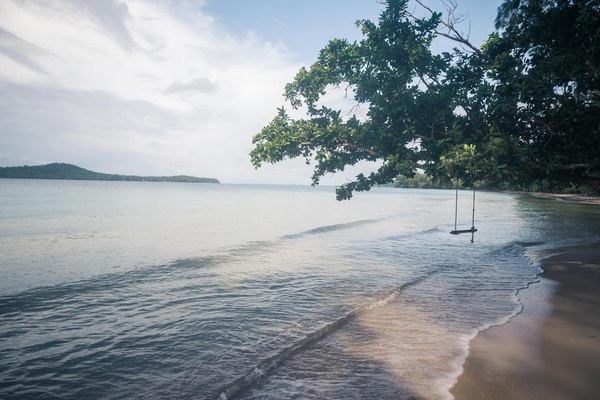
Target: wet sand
{"points": [[571, 198], [552, 349]]}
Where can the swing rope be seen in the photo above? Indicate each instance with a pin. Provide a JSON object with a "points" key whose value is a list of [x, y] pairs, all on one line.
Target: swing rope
{"points": [[470, 169], [456, 206], [456, 231], [473, 219]]}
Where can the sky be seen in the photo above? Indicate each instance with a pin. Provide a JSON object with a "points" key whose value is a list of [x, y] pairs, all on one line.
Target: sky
{"points": [[166, 87]]}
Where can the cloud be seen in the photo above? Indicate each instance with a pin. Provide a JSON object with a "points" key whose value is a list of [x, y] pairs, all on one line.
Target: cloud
{"points": [[19, 50], [280, 22], [111, 16], [201, 85], [137, 87]]}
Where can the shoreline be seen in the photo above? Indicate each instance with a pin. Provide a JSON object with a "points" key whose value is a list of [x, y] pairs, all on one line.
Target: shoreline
{"points": [[551, 350]]}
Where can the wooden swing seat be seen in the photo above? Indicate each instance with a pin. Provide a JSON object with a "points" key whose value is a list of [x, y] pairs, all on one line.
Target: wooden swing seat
{"points": [[459, 231]]}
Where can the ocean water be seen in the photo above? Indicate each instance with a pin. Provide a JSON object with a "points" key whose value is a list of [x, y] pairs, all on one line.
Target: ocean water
{"points": [[124, 290]]}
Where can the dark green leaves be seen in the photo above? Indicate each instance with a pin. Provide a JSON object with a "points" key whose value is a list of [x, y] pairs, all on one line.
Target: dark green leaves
{"points": [[523, 108]]}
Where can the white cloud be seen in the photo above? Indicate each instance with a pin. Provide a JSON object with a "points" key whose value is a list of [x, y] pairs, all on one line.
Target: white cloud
{"points": [[136, 87], [201, 85]]}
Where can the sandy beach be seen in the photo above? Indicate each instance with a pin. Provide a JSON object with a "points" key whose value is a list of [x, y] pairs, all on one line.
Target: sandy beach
{"points": [[552, 349]]}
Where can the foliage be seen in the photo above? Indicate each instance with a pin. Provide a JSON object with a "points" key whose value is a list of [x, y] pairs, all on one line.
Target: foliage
{"points": [[73, 172], [546, 64], [421, 181], [521, 109]]}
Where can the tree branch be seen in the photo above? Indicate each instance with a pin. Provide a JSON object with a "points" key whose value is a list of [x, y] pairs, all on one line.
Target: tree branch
{"points": [[354, 147], [450, 24]]}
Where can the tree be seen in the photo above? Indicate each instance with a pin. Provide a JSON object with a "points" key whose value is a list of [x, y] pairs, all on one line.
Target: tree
{"points": [[486, 113], [546, 67]]}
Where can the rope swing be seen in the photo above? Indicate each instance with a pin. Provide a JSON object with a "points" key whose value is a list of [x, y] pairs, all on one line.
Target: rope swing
{"points": [[457, 231], [464, 161]]}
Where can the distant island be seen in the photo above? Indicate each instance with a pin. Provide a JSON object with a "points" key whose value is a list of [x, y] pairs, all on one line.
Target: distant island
{"points": [[73, 172]]}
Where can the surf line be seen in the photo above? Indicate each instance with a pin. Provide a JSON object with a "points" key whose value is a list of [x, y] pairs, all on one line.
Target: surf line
{"points": [[264, 367], [331, 228]]}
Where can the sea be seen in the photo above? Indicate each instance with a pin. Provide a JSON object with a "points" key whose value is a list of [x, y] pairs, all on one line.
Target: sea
{"points": [[146, 290]]}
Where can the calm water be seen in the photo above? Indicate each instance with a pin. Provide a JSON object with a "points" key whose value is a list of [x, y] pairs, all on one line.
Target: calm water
{"points": [[120, 290]]}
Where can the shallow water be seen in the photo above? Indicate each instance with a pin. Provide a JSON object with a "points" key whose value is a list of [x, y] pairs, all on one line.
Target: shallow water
{"points": [[124, 290]]}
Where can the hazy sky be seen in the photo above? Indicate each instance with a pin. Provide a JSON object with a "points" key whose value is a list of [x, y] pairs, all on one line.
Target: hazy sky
{"points": [[164, 87]]}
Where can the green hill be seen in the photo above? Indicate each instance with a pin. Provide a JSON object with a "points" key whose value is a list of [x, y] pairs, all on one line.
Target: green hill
{"points": [[68, 171]]}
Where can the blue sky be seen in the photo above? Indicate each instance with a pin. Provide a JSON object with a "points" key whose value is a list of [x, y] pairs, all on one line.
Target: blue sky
{"points": [[164, 87], [302, 26], [305, 26]]}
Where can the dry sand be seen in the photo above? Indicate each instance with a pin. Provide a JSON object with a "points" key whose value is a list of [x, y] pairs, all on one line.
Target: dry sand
{"points": [[552, 349]]}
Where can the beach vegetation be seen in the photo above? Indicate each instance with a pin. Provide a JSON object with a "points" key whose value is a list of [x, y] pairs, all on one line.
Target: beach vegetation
{"points": [[520, 111], [73, 172]]}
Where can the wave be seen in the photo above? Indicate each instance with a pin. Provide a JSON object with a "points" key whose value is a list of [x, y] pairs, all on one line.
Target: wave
{"points": [[40, 297], [448, 382], [524, 248], [44, 296], [523, 244], [266, 366], [330, 228], [411, 234]]}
